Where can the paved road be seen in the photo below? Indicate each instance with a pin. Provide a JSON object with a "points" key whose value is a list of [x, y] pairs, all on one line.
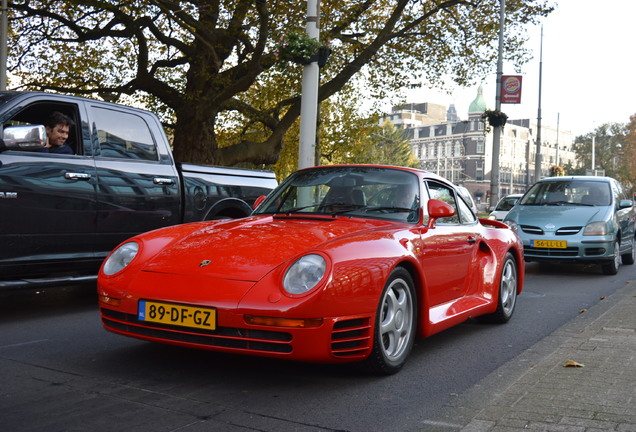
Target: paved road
{"points": [[60, 371]]}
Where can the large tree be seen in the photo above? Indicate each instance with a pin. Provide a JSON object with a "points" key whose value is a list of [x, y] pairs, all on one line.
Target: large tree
{"points": [[214, 69], [627, 173], [607, 140]]}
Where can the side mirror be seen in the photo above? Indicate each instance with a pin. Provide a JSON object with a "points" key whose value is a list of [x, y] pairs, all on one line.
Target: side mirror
{"points": [[438, 209], [625, 204], [31, 137], [259, 201]]}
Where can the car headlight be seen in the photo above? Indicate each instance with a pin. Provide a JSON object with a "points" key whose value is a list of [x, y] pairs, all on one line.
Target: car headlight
{"points": [[595, 228], [304, 274], [120, 258]]}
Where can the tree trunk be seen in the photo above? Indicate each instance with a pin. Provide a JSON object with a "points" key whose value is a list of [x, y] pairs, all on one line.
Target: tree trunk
{"points": [[194, 140]]}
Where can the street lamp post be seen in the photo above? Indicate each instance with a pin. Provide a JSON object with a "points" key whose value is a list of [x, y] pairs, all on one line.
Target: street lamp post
{"points": [[537, 156], [309, 97], [496, 139], [3, 46]]}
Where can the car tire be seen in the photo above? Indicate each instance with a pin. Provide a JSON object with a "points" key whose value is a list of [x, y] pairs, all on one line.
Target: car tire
{"points": [[630, 257], [395, 324], [611, 267], [507, 296]]}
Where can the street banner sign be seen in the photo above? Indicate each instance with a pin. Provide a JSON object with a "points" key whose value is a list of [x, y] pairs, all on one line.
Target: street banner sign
{"points": [[511, 89]]}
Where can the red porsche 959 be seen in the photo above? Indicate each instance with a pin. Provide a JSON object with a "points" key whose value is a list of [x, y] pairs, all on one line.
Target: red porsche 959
{"points": [[337, 264]]}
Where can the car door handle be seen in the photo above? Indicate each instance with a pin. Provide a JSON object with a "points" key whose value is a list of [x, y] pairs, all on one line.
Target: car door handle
{"points": [[163, 181], [472, 240], [77, 176]]}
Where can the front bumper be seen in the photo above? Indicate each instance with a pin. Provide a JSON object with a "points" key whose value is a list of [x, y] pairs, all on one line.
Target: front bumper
{"points": [[589, 251], [336, 340]]}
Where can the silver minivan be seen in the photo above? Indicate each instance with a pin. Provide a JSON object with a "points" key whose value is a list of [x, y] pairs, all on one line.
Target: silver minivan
{"points": [[576, 219]]}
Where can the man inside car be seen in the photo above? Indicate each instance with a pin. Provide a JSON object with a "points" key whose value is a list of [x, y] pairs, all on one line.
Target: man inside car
{"points": [[57, 127]]}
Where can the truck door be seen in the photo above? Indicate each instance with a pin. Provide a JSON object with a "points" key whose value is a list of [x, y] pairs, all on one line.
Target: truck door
{"points": [[47, 201], [138, 185]]}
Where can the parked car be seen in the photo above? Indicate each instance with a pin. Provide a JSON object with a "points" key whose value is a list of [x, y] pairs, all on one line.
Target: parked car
{"points": [[338, 264], [504, 206], [63, 213], [576, 219]]}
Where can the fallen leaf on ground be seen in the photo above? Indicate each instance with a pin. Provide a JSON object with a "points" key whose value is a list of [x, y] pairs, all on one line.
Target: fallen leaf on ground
{"points": [[572, 363]]}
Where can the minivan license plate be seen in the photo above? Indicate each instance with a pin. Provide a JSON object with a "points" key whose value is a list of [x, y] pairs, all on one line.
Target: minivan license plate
{"points": [[553, 244]]}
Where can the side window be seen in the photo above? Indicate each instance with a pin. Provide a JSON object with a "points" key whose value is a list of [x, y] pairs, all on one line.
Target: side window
{"points": [[444, 193], [617, 190], [123, 135], [465, 213], [39, 112]]}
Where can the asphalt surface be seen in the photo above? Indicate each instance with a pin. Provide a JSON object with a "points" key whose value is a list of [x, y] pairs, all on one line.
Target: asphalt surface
{"points": [[532, 391]]}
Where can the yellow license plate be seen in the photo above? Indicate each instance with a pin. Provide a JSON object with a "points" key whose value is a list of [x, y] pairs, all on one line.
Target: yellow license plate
{"points": [[177, 314], [552, 244]]}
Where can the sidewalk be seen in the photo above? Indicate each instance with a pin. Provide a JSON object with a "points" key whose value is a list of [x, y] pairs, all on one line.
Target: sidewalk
{"points": [[535, 392]]}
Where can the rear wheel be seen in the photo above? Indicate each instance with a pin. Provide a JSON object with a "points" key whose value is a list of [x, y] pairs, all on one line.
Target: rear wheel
{"points": [[508, 285], [395, 324], [630, 257], [611, 267]]}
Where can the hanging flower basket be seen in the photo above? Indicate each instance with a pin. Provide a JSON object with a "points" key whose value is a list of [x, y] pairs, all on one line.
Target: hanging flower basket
{"points": [[495, 118], [300, 48]]}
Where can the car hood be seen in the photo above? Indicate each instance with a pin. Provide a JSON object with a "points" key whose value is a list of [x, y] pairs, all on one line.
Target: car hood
{"points": [[557, 215], [247, 249]]}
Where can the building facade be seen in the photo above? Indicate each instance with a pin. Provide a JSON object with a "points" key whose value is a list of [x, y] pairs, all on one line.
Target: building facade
{"points": [[461, 150]]}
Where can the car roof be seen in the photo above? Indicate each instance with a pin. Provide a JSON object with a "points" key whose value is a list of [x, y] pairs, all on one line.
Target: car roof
{"points": [[569, 178]]}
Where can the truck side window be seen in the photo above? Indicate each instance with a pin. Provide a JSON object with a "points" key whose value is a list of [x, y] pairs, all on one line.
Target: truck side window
{"points": [[37, 113], [123, 135]]}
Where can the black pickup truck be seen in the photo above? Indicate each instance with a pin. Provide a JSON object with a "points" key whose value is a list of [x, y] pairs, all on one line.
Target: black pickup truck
{"points": [[60, 215]]}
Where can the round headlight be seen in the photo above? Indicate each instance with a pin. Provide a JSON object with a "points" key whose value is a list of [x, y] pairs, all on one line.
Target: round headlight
{"points": [[120, 258], [304, 274]]}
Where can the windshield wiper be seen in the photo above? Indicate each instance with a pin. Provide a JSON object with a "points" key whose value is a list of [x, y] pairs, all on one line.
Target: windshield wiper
{"points": [[297, 209], [388, 209]]}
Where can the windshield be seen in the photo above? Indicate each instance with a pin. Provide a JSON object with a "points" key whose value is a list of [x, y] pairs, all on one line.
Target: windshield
{"points": [[375, 192], [507, 203], [569, 192]]}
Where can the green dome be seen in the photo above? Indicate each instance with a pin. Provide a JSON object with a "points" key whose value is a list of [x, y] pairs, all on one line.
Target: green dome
{"points": [[479, 104]]}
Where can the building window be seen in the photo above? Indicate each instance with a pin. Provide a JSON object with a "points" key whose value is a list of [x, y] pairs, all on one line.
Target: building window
{"points": [[480, 146], [479, 170]]}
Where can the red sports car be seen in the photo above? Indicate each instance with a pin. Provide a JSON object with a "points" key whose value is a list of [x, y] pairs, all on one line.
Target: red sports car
{"points": [[338, 264]]}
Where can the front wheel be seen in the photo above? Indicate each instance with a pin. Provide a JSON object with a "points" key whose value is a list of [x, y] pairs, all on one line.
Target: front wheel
{"points": [[395, 324], [611, 268]]}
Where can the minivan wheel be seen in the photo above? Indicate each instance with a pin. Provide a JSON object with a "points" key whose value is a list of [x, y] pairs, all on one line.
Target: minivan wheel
{"points": [[611, 268], [630, 257]]}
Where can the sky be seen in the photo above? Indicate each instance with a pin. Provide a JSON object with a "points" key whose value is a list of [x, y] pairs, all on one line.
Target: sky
{"points": [[588, 69]]}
